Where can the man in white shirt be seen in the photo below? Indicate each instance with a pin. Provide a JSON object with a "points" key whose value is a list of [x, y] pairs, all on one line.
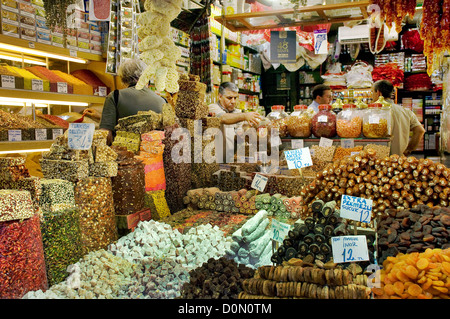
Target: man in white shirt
{"points": [[321, 95], [230, 117]]}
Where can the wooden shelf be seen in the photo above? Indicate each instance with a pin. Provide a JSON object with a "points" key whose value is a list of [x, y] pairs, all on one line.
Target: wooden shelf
{"points": [[272, 19], [51, 96], [49, 48]]}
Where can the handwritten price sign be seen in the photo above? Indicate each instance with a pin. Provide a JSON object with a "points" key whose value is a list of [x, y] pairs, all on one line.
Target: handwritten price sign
{"points": [[80, 135], [279, 230], [356, 208], [349, 249]]}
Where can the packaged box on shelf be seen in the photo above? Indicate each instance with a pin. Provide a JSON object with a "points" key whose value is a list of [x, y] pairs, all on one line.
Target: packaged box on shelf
{"points": [[10, 17], [40, 13], [27, 10], [10, 30], [96, 48], [71, 42], [83, 45], [57, 40], [41, 24], [43, 37], [27, 21], [27, 33], [10, 5]]}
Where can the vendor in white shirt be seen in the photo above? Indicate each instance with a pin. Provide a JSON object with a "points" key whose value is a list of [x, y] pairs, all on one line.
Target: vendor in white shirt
{"points": [[230, 117], [321, 95]]}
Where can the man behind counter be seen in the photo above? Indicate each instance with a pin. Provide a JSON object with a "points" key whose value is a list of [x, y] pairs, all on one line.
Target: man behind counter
{"points": [[230, 117], [321, 95]]}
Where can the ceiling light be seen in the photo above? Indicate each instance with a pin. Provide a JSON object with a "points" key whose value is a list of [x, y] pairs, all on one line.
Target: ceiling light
{"points": [[19, 59], [38, 101]]}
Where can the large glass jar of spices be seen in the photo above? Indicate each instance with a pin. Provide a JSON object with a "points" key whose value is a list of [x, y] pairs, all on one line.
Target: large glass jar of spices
{"points": [[349, 122], [299, 122], [323, 123], [277, 118], [275, 113], [376, 121]]}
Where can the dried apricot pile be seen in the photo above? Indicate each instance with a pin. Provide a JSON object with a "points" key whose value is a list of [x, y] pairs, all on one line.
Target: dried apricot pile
{"points": [[416, 275]]}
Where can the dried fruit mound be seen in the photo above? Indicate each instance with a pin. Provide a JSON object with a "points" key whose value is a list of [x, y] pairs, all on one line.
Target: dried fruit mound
{"points": [[416, 276]]}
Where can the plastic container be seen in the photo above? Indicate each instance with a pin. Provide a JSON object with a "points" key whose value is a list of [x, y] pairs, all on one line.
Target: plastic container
{"points": [[376, 121], [323, 123], [299, 122], [349, 122]]}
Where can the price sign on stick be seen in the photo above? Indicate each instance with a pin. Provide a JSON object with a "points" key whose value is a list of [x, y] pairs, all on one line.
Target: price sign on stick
{"points": [[325, 142], [349, 248], [296, 144], [259, 182], [279, 230], [298, 158], [80, 135], [356, 208]]}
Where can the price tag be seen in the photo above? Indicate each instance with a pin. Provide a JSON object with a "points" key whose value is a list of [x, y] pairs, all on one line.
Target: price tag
{"points": [[37, 85], [31, 44], [102, 90], [347, 143], [62, 87], [298, 158], [73, 53], [356, 208], [349, 248], [322, 119], [14, 135], [259, 182], [40, 134], [296, 144], [279, 230], [325, 142], [354, 153], [80, 135], [57, 132], [8, 81], [374, 119]]}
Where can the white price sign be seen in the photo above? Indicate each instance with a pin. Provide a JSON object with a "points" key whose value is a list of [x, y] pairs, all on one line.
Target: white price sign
{"points": [[356, 208], [296, 144], [322, 118], [259, 182], [102, 91], [14, 135], [347, 143], [325, 142], [8, 81], [40, 134], [374, 119], [279, 230], [37, 85], [298, 158], [80, 135], [62, 87], [56, 132], [349, 248]]}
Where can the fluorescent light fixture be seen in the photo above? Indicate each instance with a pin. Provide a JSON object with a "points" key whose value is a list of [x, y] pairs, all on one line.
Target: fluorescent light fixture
{"points": [[14, 48], [5, 100], [18, 59], [26, 151]]}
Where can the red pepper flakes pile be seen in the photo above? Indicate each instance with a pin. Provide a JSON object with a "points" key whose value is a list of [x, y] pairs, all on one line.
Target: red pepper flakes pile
{"points": [[22, 265], [390, 72], [418, 82], [411, 40]]}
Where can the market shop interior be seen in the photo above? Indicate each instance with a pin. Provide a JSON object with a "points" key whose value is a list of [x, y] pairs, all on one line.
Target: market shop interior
{"points": [[114, 115]]}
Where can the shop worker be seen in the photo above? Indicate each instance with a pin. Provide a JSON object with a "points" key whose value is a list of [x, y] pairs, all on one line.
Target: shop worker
{"points": [[403, 121], [321, 95], [128, 101], [231, 118]]}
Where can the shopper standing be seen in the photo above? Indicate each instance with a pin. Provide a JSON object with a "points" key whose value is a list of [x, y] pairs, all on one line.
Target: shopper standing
{"points": [[403, 121], [128, 101], [230, 117], [321, 95]]}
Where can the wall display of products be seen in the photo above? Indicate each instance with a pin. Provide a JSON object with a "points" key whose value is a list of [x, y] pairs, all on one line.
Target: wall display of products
{"points": [[26, 20], [122, 36]]}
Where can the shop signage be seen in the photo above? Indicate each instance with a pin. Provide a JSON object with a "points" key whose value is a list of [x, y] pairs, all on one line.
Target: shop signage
{"points": [[349, 248], [259, 182], [320, 41], [283, 46], [279, 230], [298, 158], [356, 208], [80, 135], [283, 81]]}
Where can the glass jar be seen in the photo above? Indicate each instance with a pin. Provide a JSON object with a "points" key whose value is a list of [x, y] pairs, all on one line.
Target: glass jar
{"points": [[349, 122], [299, 122], [283, 112], [275, 113], [323, 123], [376, 121]]}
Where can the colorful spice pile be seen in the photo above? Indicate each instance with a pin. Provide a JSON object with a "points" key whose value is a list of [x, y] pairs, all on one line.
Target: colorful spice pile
{"points": [[424, 275], [52, 77], [388, 71], [89, 77], [216, 279]]}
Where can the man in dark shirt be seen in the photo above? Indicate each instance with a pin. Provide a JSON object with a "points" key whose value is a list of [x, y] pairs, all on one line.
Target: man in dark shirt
{"points": [[128, 101]]}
